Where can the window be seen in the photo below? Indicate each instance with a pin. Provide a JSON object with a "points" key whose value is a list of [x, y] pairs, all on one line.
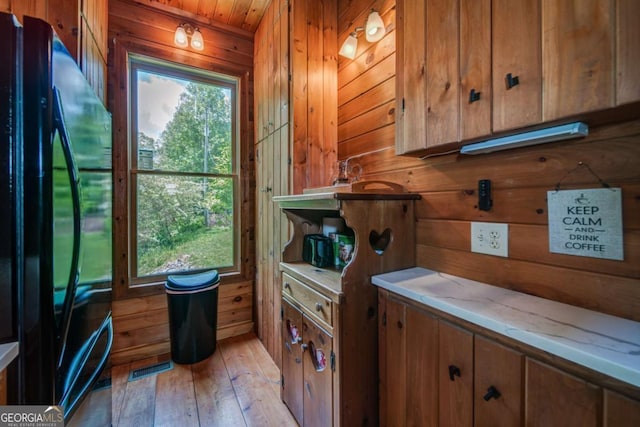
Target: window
{"points": [[183, 169]]}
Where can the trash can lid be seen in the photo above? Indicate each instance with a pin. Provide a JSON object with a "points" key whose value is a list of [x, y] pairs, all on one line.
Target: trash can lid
{"points": [[192, 282]]}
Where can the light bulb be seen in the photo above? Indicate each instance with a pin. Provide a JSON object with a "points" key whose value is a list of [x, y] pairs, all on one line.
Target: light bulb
{"points": [[374, 30], [197, 42], [349, 47], [180, 38]]}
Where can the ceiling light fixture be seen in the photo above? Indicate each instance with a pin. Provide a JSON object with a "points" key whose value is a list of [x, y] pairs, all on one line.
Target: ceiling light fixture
{"points": [[182, 34], [374, 31]]}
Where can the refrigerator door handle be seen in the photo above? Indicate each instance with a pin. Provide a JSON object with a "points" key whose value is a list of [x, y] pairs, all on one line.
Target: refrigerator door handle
{"points": [[74, 180], [80, 361]]}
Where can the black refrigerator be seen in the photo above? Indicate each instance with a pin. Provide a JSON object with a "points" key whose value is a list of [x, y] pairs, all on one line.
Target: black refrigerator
{"points": [[55, 226]]}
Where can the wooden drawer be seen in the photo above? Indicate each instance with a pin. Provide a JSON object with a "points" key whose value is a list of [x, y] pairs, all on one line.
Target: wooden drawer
{"points": [[315, 303]]}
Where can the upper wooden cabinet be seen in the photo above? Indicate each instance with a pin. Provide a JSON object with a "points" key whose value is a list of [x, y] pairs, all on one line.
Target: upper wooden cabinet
{"points": [[577, 52], [467, 69], [517, 64]]}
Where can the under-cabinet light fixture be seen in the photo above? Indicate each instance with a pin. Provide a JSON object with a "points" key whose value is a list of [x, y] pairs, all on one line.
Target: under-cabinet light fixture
{"points": [[374, 31], [182, 34], [556, 133]]}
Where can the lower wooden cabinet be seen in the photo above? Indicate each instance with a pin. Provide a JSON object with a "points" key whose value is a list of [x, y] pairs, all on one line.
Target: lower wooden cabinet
{"points": [[307, 368], [498, 380], [437, 373], [555, 398]]}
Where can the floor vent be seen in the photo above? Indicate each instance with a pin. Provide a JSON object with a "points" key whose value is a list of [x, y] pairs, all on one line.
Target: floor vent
{"points": [[136, 374]]}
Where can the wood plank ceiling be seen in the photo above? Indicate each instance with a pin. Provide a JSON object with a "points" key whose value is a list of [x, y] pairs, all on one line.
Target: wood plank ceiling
{"points": [[243, 14]]}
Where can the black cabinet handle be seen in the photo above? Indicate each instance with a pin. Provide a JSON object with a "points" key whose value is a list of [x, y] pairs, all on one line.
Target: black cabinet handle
{"points": [[474, 96], [454, 371], [511, 81], [492, 393]]}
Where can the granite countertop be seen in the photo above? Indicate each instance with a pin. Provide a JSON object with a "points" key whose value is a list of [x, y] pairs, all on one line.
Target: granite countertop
{"points": [[8, 352], [604, 343]]}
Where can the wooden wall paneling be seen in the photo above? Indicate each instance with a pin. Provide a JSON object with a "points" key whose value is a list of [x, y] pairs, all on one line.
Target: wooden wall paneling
{"points": [[529, 243], [376, 96], [329, 120], [627, 52], [141, 324], [299, 94], [609, 294], [259, 58], [261, 240], [20, 8], [271, 149], [64, 16], [374, 141], [544, 166], [315, 102], [577, 52], [516, 49], [475, 68], [274, 66], [147, 24], [370, 78], [284, 63], [378, 117]]}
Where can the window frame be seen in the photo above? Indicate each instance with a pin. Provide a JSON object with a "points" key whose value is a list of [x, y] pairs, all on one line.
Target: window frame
{"points": [[167, 68]]}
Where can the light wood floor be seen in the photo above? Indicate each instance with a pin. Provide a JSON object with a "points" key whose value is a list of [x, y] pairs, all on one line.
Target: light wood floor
{"points": [[239, 385]]}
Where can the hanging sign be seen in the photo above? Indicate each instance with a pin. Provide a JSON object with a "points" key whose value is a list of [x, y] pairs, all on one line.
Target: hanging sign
{"points": [[586, 222]]}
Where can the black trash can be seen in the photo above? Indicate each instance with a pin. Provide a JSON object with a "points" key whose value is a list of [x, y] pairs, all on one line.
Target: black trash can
{"points": [[193, 313]]}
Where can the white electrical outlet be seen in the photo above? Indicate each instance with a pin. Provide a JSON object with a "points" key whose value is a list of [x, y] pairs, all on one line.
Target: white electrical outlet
{"points": [[490, 238]]}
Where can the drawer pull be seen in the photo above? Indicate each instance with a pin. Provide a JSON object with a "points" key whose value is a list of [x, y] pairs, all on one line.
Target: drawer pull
{"points": [[318, 306], [492, 393], [287, 286]]}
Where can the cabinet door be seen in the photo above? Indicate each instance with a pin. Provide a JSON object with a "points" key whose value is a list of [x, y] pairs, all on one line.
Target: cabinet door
{"points": [[577, 56], [554, 398], [627, 51], [393, 368], [455, 375], [443, 71], [620, 411], [498, 384], [292, 328], [411, 77], [475, 68], [318, 375], [516, 51], [422, 368]]}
